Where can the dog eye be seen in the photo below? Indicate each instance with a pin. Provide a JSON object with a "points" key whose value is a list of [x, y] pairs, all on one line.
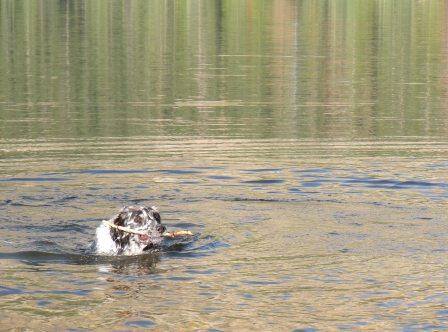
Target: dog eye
{"points": [[157, 217]]}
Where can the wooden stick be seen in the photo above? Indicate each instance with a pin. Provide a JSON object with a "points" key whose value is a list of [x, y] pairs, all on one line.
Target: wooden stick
{"points": [[133, 231], [124, 229], [177, 233]]}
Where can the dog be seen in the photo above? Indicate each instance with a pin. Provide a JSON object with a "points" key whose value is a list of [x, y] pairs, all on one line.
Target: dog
{"points": [[134, 230]]}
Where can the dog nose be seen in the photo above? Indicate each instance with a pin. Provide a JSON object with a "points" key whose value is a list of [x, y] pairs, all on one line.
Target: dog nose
{"points": [[161, 229]]}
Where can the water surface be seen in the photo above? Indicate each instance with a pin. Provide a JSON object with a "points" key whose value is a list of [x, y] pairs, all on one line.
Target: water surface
{"points": [[304, 143]]}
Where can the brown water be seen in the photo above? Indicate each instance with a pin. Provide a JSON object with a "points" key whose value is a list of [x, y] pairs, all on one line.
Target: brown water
{"points": [[304, 142]]}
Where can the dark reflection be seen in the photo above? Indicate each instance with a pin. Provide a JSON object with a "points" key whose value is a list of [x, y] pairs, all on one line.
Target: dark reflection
{"points": [[135, 265], [140, 264], [120, 264]]}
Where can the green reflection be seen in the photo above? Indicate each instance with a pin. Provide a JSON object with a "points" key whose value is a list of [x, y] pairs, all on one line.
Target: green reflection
{"points": [[267, 69]]}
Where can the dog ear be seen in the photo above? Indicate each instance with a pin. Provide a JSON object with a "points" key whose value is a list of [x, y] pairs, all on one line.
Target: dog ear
{"points": [[119, 218], [118, 236]]}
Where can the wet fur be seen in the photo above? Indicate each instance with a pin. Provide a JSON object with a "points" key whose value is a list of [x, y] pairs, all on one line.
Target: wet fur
{"points": [[112, 241]]}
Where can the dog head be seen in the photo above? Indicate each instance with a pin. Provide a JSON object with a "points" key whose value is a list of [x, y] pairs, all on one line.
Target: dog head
{"points": [[138, 218]]}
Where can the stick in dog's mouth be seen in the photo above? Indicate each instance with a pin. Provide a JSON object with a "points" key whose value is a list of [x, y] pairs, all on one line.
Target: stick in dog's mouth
{"points": [[145, 234]]}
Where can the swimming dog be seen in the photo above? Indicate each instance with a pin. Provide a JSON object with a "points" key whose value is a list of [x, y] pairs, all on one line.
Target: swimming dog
{"points": [[134, 230]]}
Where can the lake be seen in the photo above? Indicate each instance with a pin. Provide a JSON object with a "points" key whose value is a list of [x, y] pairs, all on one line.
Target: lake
{"points": [[303, 142]]}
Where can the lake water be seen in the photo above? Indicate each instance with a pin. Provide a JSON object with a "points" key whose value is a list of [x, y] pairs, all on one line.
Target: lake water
{"points": [[303, 142]]}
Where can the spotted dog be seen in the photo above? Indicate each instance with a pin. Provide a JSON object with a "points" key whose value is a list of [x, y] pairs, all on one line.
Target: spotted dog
{"points": [[134, 230]]}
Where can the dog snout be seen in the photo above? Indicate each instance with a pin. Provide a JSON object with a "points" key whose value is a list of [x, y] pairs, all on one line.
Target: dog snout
{"points": [[161, 229]]}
